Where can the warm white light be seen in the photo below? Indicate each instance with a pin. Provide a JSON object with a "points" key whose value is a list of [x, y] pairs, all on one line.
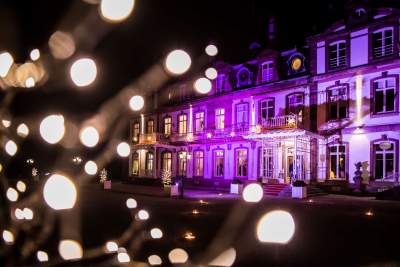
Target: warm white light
{"points": [[156, 233], [21, 186], [111, 246], [52, 128], [131, 203], [19, 214], [83, 72], [123, 257], [28, 214], [30, 82], [211, 50], [23, 130], [12, 194], [211, 73], [154, 260], [202, 85], [6, 61], [89, 136], [143, 215], [253, 193], [42, 256], [178, 62], [123, 149], [178, 255], [116, 10], [8, 237], [59, 192], [136, 102], [62, 45], [91, 167], [225, 259], [70, 249], [276, 227], [6, 123], [11, 147], [35, 54]]}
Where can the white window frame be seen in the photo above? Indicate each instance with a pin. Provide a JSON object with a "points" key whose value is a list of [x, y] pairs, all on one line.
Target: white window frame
{"points": [[199, 122], [338, 154], [267, 74], [383, 50], [198, 157], [220, 118], [339, 61], [242, 115], [218, 156], [167, 125], [182, 124], [384, 90], [269, 108], [384, 153]]}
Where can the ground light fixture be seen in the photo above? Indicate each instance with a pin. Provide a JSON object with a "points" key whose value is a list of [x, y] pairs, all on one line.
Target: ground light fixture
{"points": [[59, 192], [178, 62], [178, 256], [276, 227], [52, 128], [154, 260]]}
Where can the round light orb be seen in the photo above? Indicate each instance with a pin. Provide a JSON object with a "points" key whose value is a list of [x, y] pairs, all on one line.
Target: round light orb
{"points": [[83, 72], [35, 54], [143, 215], [8, 237], [11, 147], [52, 128], [116, 10], [211, 73], [178, 62], [156, 233], [30, 82], [23, 130], [91, 167], [12, 194], [21, 186], [202, 85], [131, 203], [6, 123], [59, 192], [62, 45], [123, 257], [276, 227], [253, 193], [89, 136], [70, 249], [6, 61], [123, 149], [178, 255], [225, 259], [154, 260], [19, 214], [211, 50], [28, 214], [42, 256], [136, 102], [111, 246]]}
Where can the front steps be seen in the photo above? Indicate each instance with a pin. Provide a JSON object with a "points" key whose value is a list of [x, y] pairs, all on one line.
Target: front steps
{"points": [[312, 191], [273, 189]]}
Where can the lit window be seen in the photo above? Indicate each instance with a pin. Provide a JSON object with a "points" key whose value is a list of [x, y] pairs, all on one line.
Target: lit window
{"points": [[218, 163], [384, 95], [198, 163], [182, 123], [382, 42], [182, 156], [337, 161], [149, 162], [166, 161], [267, 69], [337, 54], [337, 103], [220, 119], [241, 163], [150, 126], [167, 125], [242, 115], [135, 163], [199, 122], [267, 109], [136, 131], [384, 160], [295, 104]]}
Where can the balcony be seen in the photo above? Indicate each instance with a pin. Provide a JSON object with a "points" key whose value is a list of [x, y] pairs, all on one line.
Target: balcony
{"points": [[290, 121], [383, 51], [152, 138]]}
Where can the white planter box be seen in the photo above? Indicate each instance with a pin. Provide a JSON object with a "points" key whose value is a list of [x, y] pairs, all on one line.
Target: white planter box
{"points": [[236, 188], [175, 190], [299, 192]]}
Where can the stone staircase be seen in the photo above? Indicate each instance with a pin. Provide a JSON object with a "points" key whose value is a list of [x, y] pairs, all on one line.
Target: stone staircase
{"points": [[312, 191], [273, 189]]}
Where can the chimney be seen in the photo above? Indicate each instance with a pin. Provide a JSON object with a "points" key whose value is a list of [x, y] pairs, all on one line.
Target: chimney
{"points": [[271, 29]]}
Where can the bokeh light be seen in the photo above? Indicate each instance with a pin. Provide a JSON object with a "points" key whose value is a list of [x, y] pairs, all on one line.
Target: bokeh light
{"points": [[211, 73], [30, 82], [178, 62], [116, 10], [91, 167], [42, 256], [23, 130], [6, 61], [131, 203], [70, 249], [35, 54], [156, 233], [202, 85], [28, 214], [178, 256], [111, 246], [225, 259], [19, 214], [62, 45], [8, 237], [12, 194], [52, 128], [276, 227], [123, 149], [21, 186], [59, 192], [6, 123], [136, 102], [143, 215], [253, 193], [89, 136], [83, 72], [11, 147], [211, 50], [154, 260]]}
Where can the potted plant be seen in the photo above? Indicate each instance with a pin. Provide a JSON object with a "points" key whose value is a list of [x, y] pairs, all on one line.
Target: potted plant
{"points": [[167, 181], [299, 189], [104, 179], [236, 186]]}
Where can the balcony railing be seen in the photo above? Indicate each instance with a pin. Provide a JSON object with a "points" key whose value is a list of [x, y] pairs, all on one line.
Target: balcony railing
{"points": [[382, 51], [337, 62], [290, 121], [152, 138]]}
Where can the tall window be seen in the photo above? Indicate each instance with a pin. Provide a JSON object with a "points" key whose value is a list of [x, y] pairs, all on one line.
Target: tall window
{"points": [[384, 95], [136, 131], [135, 163], [182, 156], [382, 42], [384, 159], [337, 54], [241, 163], [182, 124], [150, 126], [220, 118], [337, 161], [149, 161], [198, 163], [220, 86], [199, 122], [167, 161], [296, 104], [167, 125], [218, 163], [267, 69], [242, 115], [267, 108], [337, 103]]}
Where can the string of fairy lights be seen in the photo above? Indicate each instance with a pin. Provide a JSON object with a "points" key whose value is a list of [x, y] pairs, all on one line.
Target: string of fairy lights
{"points": [[26, 209]]}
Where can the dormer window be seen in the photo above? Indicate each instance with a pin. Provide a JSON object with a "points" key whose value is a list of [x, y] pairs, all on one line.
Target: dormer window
{"points": [[243, 77], [382, 42], [267, 69], [337, 54]]}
